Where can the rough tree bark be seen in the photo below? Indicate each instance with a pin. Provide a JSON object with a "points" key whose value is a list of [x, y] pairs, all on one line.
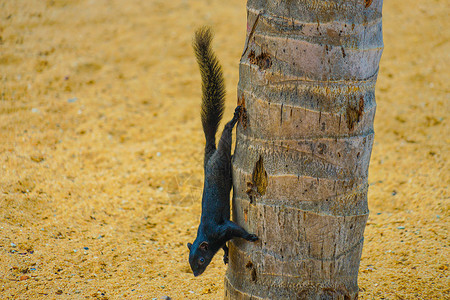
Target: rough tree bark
{"points": [[300, 167]]}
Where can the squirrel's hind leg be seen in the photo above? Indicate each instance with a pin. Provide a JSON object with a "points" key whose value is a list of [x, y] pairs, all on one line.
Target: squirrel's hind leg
{"points": [[224, 146]]}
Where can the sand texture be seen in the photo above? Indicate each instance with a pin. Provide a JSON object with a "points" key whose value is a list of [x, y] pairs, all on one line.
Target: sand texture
{"points": [[101, 149]]}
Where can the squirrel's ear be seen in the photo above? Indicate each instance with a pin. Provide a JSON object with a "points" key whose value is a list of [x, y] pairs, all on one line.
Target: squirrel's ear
{"points": [[189, 245], [204, 246]]}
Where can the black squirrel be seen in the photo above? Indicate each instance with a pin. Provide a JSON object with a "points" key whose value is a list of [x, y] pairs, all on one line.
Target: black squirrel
{"points": [[215, 227]]}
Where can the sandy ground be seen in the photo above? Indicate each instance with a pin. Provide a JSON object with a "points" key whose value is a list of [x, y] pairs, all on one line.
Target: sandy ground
{"points": [[101, 149]]}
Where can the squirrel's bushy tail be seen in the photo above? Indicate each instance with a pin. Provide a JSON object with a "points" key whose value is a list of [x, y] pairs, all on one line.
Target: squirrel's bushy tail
{"points": [[213, 86]]}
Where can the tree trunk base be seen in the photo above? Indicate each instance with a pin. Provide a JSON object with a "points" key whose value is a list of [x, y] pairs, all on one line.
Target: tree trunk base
{"points": [[308, 293]]}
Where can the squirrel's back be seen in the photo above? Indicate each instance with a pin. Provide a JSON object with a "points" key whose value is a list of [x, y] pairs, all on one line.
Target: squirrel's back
{"points": [[213, 87]]}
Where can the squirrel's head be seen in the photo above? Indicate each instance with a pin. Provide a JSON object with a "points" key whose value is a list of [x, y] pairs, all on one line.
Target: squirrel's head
{"points": [[200, 256]]}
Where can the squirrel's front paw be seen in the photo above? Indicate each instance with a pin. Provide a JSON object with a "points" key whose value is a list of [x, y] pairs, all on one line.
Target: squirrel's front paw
{"points": [[252, 238]]}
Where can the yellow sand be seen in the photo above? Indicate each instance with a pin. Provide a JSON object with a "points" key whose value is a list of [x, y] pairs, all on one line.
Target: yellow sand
{"points": [[101, 147]]}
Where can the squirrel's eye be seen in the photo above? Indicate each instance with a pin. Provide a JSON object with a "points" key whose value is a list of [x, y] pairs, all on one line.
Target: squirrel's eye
{"points": [[201, 261]]}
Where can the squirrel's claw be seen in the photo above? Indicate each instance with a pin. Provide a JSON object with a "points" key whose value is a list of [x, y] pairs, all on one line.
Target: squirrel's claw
{"points": [[237, 111], [225, 259], [252, 238]]}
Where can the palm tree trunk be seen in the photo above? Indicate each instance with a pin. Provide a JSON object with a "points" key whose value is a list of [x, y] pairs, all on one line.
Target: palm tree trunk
{"points": [[300, 167]]}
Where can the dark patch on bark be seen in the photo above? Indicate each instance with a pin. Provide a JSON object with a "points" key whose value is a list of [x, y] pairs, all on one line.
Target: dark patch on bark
{"points": [[367, 3], [250, 191], [354, 113], [252, 269], [263, 61], [260, 177], [258, 186], [281, 114], [322, 148], [243, 118], [343, 52], [253, 274]]}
